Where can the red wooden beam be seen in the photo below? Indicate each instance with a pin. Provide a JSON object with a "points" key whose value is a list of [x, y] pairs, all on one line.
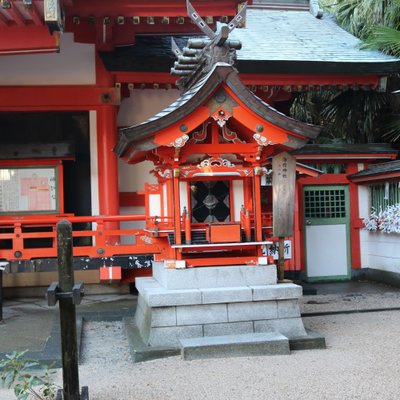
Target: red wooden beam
{"points": [[16, 15], [33, 12], [156, 8], [66, 3], [348, 156], [3, 20], [131, 199], [144, 77], [15, 39], [45, 97], [259, 79], [306, 80]]}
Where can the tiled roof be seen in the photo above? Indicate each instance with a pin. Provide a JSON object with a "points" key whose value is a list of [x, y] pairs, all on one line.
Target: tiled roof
{"points": [[377, 169], [276, 36], [345, 148], [274, 41]]}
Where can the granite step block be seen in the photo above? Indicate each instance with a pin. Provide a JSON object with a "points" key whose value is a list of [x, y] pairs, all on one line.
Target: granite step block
{"points": [[252, 344]]}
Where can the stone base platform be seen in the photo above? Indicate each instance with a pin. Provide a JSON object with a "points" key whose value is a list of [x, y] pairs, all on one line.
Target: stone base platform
{"points": [[215, 301]]}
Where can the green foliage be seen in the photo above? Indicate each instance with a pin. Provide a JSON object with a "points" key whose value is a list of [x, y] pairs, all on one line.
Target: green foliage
{"points": [[28, 379], [383, 38], [350, 116], [358, 116], [360, 16]]}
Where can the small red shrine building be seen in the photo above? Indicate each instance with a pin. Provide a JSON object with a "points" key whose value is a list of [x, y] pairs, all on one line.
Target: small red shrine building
{"points": [[75, 73], [210, 149]]}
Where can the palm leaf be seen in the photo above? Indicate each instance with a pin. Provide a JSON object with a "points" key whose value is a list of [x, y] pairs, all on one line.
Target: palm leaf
{"points": [[390, 127], [385, 39]]}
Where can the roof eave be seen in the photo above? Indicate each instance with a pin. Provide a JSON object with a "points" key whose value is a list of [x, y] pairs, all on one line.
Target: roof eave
{"points": [[319, 67]]}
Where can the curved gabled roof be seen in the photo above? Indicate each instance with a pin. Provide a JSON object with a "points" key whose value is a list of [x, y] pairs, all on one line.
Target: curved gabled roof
{"points": [[141, 136]]}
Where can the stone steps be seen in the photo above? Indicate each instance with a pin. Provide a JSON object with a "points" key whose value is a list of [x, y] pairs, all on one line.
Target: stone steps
{"points": [[252, 344], [230, 303]]}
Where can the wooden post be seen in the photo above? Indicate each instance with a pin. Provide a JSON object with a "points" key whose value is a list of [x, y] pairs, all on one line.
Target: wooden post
{"points": [[188, 228], [257, 205], [177, 205], [247, 225], [281, 260], [3, 265], [69, 350], [283, 194]]}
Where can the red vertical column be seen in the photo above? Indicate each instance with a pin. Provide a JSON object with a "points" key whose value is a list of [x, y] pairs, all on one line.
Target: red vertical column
{"points": [[107, 164], [355, 245], [107, 161], [257, 207], [177, 207]]}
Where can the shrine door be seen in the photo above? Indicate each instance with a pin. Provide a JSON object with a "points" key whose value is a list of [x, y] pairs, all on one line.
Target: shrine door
{"points": [[210, 201], [326, 219]]}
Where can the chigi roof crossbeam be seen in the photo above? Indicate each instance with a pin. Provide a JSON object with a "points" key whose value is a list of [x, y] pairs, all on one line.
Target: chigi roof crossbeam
{"points": [[199, 56]]}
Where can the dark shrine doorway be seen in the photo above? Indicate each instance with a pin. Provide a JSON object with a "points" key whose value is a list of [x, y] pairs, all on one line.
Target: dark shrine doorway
{"points": [[210, 201]]}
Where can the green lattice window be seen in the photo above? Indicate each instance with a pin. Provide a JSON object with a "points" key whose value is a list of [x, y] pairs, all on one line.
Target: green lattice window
{"points": [[329, 203], [384, 194]]}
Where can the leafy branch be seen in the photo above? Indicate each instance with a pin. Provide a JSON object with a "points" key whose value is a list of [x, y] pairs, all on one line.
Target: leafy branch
{"points": [[28, 379]]}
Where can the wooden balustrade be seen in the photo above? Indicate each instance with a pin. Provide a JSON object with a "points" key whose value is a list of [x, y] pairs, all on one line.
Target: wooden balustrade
{"points": [[24, 238], [247, 222]]}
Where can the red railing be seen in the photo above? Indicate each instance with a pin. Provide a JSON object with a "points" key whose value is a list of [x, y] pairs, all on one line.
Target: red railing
{"points": [[155, 224], [24, 238], [247, 222]]}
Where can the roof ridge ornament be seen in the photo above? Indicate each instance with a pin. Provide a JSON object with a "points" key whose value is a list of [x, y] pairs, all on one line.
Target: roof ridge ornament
{"points": [[195, 17], [200, 55]]}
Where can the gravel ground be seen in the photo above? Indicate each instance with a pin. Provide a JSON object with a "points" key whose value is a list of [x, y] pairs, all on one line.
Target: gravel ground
{"points": [[350, 301], [361, 362]]}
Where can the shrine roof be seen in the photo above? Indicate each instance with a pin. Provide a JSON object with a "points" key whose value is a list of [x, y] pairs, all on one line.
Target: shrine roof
{"points": [[141, 135], [297, 43], [298, 36], [345, 148], [389, 169]]}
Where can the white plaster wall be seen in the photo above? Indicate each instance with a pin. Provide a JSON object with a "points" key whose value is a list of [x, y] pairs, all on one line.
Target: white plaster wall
{"points": [[133, 177], [183, 195], [238, 198], [165, 196], [129, 239], [94, 169], [141, 105], [363, 201], [73, 65], [378, 250]]}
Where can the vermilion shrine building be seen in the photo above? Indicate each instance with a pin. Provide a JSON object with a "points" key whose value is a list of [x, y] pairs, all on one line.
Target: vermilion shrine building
{"points": [[187, 178]]}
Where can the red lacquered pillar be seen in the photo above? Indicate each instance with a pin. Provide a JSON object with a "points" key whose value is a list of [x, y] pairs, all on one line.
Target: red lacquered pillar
{"points": [[108, 165]]}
